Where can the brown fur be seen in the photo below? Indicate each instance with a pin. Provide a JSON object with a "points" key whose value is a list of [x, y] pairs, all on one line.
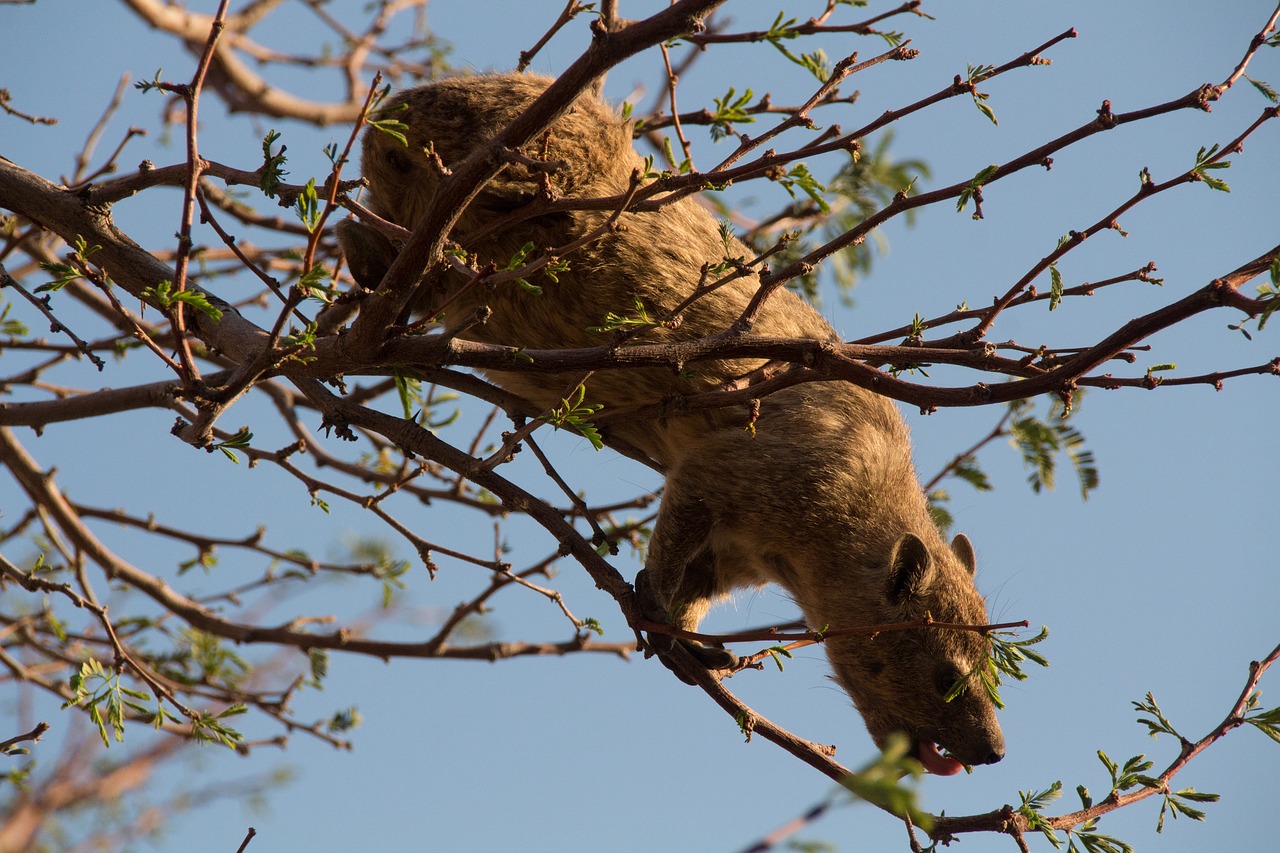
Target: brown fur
{"points": [[822, 499]]}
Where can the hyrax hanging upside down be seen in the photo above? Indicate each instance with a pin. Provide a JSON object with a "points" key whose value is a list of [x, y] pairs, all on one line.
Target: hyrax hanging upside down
{"points": [[820, 498]]}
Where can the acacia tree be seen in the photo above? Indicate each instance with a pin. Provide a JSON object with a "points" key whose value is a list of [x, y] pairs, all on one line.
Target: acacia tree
{"points": [[241, 320]]}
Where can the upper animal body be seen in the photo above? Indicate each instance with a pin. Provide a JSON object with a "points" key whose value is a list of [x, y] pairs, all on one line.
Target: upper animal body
{"points": [[819, 497]]}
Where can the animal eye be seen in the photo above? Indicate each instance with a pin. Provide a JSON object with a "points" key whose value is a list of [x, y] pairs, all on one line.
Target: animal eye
{"points": [[946, 678], [398, 160]]}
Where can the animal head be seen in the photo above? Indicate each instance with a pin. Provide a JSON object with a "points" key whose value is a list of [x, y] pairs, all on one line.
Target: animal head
{"points": [[899, 680]]}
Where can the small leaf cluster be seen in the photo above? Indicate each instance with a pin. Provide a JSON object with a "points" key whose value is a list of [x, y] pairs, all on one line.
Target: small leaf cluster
{"points": [[345, 720], [1156, 722], [239, 441], [1089, 841], [272, 173], [815, 63], [385, 123], [391, 573], [155, 84], [1040, 443], [1004, 657], [1200, 171], [799, 177], [202, 658], [1055, 287], [380, 561], [976, 74], [640, 319], [880, 782], [308, 206], [573, 412], [297, 343], [18, 776], [409, 390], [729, 110], [684, 166], [167, 299], [518, 260], [1130, 775], [1267, 721], [1133, 773], [1267, 91], [316, 283], [13, 328], [965, 468], [210, 728], [64, 274], [1177, 803], [868, 181], [106, 699], [974, 186], [1269, 295]]}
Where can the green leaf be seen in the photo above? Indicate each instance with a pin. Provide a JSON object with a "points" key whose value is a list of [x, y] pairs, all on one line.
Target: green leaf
{"points": [[239, 441], [976, 183], [615, 322], [1267, 722], [1004, 658], [573, 413], [346, 720], [799, 176], [272, 172], [729, 110], [409, 390], [1156, 722], [1097, 843], [1203, 166], [64, 274], [815, 63], [308, 206], [967, 470], [519, 258], [209, 728], [941, 517], [318, 659], [1055, 287], [166, 298], [1041, 442], [976, 74], [13, 328], [316, 283], [383, 119], [1266, 90], [1033, 803], [880, 782], [1129, 776]]}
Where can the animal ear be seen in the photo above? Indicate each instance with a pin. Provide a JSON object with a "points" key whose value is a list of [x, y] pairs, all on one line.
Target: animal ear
{"points": [[963, 549], [910, 565], [369, 254]]}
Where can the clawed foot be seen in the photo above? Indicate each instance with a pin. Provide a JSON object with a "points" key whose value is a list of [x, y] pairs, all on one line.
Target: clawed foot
{"points": [[711, 657]]}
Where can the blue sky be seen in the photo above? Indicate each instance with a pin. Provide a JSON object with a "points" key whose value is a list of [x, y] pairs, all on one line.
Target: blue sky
{"points": [[1165, 580]]}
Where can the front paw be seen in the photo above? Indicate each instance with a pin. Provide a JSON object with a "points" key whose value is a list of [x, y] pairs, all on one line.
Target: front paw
{"points": [[711, 657], [653, 610]]}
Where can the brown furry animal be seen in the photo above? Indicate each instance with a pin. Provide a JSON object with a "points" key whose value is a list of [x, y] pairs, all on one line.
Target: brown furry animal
{"points": [[821, 498]]}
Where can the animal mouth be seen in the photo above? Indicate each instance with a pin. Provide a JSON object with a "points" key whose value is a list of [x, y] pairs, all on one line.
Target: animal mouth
{"points": [[926, 752]]}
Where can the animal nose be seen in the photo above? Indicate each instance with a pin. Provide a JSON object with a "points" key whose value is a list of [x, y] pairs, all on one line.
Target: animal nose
{"points": [[994, 757]]}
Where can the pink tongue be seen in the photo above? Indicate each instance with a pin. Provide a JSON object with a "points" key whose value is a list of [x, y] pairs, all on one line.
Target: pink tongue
{"points": [[935, 762]]}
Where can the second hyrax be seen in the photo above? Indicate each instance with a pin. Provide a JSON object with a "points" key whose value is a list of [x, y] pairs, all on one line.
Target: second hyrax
{"points": [[820, 497]]}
